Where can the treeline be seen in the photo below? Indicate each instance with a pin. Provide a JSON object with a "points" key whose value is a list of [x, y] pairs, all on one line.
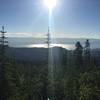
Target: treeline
{"points": [[78, 78], [25, 81]]}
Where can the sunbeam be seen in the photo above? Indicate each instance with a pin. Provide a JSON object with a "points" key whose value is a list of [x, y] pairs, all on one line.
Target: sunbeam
{"points": [[50, 4]]}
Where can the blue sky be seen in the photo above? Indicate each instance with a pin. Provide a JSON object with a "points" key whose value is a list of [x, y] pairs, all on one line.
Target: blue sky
{"points": [[70, 18]]}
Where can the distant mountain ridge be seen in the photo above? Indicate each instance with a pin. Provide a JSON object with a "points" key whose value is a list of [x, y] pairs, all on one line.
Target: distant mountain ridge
{"points": [[40, 55], [36, 55]]}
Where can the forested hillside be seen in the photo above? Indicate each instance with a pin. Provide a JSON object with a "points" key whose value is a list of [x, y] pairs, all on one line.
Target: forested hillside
{"points": [[72, 79]]}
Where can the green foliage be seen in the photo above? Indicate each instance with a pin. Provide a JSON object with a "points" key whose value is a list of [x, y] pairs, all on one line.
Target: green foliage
{"points": [[26, 81], [90, 85], [16, 82]]}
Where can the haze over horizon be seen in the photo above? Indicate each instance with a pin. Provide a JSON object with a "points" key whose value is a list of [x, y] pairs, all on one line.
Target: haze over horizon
{"points": [[68, 43]]}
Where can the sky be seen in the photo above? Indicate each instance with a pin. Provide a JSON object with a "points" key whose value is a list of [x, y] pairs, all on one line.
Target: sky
{"points": [[70, 18]]}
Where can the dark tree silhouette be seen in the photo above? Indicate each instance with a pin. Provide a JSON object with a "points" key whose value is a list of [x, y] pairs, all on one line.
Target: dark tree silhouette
{"points": [[3, 44], [78, 54], [87, 53]]}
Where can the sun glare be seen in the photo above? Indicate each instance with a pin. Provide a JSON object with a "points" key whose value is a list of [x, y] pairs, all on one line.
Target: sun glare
{"points": [[50, 3]]}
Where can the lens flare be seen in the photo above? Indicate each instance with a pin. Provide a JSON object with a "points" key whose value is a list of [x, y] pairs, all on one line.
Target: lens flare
{"points": [[50, 3]]}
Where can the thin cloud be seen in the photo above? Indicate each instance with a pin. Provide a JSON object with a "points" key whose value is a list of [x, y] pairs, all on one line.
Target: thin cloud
{"points": [[54, 35], [36, 35]]}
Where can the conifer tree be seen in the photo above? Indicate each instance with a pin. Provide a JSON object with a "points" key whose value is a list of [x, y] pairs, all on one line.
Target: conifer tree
{"points": [[3, 44], [87, 53], [78, 54]]}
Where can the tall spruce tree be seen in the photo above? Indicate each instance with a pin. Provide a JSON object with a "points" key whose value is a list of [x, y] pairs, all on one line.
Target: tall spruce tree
{"points": [[3, 44], [87, 53]]}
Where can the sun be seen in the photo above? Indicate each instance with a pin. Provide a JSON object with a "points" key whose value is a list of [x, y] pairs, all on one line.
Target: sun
{"points": [[50, 3]]}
